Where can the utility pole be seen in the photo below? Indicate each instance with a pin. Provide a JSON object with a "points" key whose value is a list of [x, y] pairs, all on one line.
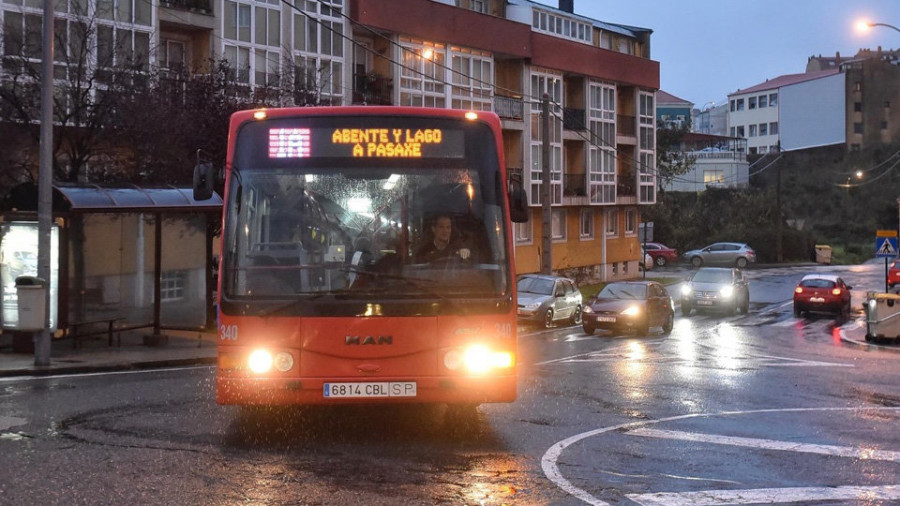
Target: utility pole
{"points": [[547, 226], [779, 247], [45, 183]]}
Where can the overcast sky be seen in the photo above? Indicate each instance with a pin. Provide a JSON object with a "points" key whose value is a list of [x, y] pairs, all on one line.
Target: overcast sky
{"points": [[707, 49]]}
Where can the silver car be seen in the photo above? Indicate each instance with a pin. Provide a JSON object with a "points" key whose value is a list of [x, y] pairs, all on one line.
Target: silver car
{"points": [[722, 253], [546, 299]]}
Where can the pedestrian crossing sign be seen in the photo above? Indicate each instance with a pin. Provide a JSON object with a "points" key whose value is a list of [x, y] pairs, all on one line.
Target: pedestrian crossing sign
{"points": [[885, 247]]}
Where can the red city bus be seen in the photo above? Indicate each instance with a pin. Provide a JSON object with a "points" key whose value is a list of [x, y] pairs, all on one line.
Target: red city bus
{"points": [[322, 297]]}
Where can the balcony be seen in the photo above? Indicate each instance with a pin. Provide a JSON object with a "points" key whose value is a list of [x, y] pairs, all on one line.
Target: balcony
{"points": [[372, 89], [573, 119], [626, 188], [574, 185], [509, 107], [625, 126], [204, 6]]}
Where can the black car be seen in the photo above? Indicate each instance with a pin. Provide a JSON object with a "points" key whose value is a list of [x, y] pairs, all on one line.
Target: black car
{"points": [[716, 288], [629, 306]]}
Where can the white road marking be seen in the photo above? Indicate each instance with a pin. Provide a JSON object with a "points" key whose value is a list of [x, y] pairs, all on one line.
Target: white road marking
{"points": [[108, 373], [769, 496], [771, 444], [10, 421], [551, 456]]}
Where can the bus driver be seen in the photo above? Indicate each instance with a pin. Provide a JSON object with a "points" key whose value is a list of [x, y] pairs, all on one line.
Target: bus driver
{"points": [[441, 246]]}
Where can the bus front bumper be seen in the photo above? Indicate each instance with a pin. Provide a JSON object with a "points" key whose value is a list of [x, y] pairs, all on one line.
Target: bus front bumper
{"points": [[302, 391]]}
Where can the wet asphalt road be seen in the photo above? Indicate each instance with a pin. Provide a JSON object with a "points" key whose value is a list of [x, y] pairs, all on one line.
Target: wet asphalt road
{"points": [[726, 410]]}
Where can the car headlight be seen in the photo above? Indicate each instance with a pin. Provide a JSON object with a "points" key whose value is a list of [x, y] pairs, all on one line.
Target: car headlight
{"points": [[727, 291], [587, 309], [533, 305], [632, 311], [686, 290]]}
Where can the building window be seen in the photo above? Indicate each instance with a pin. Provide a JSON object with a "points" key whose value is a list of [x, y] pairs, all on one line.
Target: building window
{"points": [[732, 105], [751, 103], [740, 104], [773, 128], [558, 25], [602, 152], [587, 223], [172, 286], [552, 85], [631, 222], [740, 131], [857, 128], [763, 101], [558, 224], [763, 129], [713, 177], [752, 130], [523, 232], [612, 222], [479, 6], [884, 125], [857, 86], [857, 106], [773, 99], [732, 131], [473, 78], [763, 150]]}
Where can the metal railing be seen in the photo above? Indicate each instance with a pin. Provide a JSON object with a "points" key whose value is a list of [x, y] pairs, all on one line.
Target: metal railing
{"points": [[573, 119], [191, 5], [508, 107], [574, 185], [625, 125], [372, 89]]}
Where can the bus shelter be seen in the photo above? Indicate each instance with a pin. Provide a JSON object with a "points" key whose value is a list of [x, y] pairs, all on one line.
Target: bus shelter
{"points": [[129, 256]]}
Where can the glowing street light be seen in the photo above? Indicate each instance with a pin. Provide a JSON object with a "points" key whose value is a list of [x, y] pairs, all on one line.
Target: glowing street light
{"points": [[864, 26]]}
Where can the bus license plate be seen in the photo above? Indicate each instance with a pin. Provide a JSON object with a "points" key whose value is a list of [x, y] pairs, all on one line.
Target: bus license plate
{"points": [[373, 389]]}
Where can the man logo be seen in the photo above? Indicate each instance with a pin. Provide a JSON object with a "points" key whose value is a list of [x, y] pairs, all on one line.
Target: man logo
{"points": [[361, 340]]}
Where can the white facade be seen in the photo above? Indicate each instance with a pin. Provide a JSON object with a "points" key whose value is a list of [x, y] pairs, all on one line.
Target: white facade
{"points": [[754, 116], [713, 169], [812, 113]]}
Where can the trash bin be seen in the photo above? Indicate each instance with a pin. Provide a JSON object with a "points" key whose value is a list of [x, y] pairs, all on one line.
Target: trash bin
{"points": [[823, 254], [882, 316], [31, 292]]}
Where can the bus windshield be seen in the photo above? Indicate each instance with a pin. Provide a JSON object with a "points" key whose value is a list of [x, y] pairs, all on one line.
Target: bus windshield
{"points": [[307, 232]]}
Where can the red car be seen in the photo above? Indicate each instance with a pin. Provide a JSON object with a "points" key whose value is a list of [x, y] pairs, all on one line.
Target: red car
{"points": [[661, 253], [894, 274], [822, 293]]}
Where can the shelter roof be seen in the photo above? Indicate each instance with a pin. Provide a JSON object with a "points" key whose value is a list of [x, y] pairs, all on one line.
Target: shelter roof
{"points": [[113, 199]]}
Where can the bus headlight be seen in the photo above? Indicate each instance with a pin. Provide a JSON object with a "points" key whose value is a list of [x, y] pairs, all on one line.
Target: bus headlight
{"points": [[260, 361], [478, 359], [283, 361]]}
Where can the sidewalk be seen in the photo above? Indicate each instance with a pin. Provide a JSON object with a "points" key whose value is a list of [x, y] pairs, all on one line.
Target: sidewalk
{"points": [[95, 355]]}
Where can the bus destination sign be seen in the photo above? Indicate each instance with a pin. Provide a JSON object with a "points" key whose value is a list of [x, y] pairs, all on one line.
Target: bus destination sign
{"points": [[365, 143]]}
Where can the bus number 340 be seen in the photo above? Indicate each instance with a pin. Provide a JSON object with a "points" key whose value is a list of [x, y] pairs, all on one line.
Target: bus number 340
{"points": [[228, 332]]}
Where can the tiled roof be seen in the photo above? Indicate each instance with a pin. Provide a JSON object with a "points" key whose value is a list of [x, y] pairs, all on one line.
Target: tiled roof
{"points": [[786, 80], [668, 99]]}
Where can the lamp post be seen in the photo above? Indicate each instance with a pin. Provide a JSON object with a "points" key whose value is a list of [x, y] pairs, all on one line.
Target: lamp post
{"points": [[865, 25]]}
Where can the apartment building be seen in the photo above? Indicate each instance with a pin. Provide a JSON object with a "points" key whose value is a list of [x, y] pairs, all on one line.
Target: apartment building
{"points": [[496, 55], [793, 111], [671, 111]]}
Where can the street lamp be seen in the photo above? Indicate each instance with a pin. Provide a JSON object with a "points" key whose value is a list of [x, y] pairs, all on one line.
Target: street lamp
{"points": [[863, 25]]}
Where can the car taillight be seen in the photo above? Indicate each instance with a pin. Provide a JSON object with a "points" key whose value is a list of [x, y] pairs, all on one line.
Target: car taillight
{"points": [[798, 289], [836, 291]]}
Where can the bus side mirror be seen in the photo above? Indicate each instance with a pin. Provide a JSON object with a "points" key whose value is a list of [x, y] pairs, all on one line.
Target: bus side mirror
{"points": [[518, 205], [204, 177]]}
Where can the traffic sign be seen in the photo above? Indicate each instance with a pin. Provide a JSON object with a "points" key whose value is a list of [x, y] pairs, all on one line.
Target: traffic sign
{"points": [[885, 247]]}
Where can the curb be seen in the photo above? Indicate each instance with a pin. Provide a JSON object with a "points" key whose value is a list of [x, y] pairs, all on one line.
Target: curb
{"points": [[50, 371]]}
